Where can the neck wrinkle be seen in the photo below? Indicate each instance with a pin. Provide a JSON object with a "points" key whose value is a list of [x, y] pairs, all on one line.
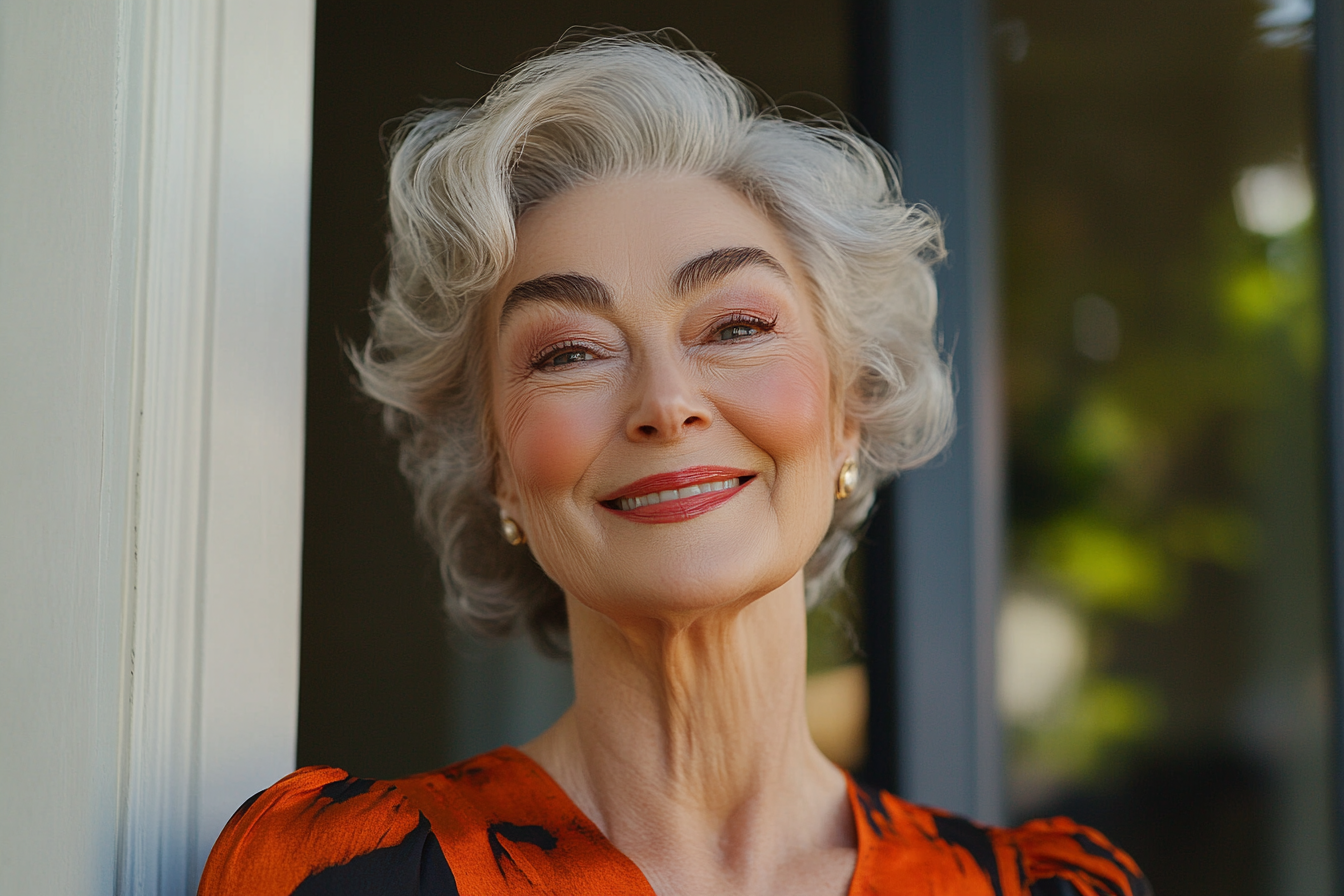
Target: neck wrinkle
{"points": [[693, 733]]}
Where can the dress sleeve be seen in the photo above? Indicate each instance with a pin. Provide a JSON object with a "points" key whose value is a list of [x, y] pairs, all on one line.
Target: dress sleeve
{"points": [[1058, 857], [321, 832]]}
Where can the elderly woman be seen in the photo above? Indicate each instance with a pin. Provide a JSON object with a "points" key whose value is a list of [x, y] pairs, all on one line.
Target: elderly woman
{"points": [[649, 349]]}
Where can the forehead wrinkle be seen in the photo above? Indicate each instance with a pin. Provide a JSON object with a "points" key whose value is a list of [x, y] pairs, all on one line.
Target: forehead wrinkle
{"points": [[716, 264], [579, 290]]}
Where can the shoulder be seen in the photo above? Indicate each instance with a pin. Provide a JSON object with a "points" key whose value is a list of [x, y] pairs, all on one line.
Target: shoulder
{"points": [[494, 823], [322, 831], [1046, 857], [507, 827], [1060, 851]]}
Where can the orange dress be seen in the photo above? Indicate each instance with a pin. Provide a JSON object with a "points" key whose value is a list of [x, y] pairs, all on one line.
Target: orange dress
{"points": [[498, 824]]}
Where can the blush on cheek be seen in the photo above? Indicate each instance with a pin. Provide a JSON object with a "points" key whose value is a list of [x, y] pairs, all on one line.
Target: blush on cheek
{"points": [[551, 443], [784, 408]]}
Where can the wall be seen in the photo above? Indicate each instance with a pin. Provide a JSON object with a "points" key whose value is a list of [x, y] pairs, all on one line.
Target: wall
{"points": [[154, 169], [64, 423]]}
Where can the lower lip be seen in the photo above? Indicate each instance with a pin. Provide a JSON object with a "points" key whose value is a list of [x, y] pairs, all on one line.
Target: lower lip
{"points": [[680, 509]]}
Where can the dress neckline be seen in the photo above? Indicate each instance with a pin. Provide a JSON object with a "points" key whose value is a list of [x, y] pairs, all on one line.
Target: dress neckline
{"points": [[510, 755]]}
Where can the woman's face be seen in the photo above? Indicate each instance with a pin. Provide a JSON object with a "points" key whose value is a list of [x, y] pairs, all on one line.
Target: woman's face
{"points": [[661, 398]]}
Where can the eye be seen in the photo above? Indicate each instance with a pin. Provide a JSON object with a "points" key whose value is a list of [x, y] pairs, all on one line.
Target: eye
{"points": [[741, 326], [736, 331], [569, 356], [563, 356]]}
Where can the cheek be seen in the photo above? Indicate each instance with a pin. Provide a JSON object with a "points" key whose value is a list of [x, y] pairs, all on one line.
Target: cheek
{"points": [[784, 408], [552, 440]]}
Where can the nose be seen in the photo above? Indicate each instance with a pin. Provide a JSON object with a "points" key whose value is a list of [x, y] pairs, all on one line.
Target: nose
{"points": [[669, 403]]}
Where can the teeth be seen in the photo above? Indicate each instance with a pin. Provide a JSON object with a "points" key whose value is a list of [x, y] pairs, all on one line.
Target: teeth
{"points": [[674, 494]]}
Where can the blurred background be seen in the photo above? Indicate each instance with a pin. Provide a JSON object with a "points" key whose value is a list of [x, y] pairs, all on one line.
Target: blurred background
{"points": [[1163, 631], [1162, 659]]}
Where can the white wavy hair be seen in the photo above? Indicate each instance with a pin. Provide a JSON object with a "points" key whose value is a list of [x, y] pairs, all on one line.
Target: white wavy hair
{"points": [[604, 107]]}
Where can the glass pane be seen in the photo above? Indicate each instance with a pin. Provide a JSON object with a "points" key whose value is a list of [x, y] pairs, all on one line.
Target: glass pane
{"points": [[1162, 639]]}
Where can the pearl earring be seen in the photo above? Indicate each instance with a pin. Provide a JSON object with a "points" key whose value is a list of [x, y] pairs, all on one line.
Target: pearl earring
{"points": [[847, 480], [512, 534]]}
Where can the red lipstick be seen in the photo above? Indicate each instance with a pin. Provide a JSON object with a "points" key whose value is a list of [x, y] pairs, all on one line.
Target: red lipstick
{"points": [[675, 510], [661, 482]]}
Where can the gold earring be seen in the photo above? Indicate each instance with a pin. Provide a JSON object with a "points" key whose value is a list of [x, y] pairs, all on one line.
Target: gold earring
{"points": [[512, 534], [847, 480]]}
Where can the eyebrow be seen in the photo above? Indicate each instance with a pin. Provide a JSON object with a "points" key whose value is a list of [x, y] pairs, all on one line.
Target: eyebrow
{"points": [[719, 263], [567, 289], [590, 293]]}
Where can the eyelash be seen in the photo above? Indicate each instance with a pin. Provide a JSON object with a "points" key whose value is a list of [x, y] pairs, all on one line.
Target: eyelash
{"points": [[543, 359], [570, 347], [739, 319]]}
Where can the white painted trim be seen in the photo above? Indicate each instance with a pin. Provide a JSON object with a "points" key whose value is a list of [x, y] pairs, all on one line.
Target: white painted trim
{"points": [[172, 43], [250, 625], [214, 136]]}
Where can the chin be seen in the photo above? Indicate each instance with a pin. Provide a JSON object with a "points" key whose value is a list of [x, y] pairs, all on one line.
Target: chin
{"points": [[724, 559], [664, 588]]}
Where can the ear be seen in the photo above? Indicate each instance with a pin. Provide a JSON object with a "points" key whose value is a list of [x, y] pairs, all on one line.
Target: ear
{"points": [[846, 442], [506, 489]]}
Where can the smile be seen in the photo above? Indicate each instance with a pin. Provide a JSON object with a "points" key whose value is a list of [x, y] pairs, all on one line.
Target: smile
{"points": [[677, 496], [673, 494]]}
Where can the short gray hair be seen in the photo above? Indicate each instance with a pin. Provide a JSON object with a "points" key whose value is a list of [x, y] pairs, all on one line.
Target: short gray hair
{"points": [[607, 106]]}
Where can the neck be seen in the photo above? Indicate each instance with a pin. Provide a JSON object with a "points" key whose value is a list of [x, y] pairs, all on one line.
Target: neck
{"points": [[689, 737]]}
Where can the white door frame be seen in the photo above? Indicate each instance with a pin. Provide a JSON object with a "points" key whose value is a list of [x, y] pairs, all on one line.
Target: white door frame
{"points": [[214, 148]]}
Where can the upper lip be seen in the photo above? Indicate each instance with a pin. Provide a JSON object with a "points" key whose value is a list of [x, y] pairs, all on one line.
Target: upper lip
{"points": [[660, 482]]}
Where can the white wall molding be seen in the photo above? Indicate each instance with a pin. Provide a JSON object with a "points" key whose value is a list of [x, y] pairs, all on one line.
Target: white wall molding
{"points": [[169, 59], [214, 171], [153, 280], [254, 518]]}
